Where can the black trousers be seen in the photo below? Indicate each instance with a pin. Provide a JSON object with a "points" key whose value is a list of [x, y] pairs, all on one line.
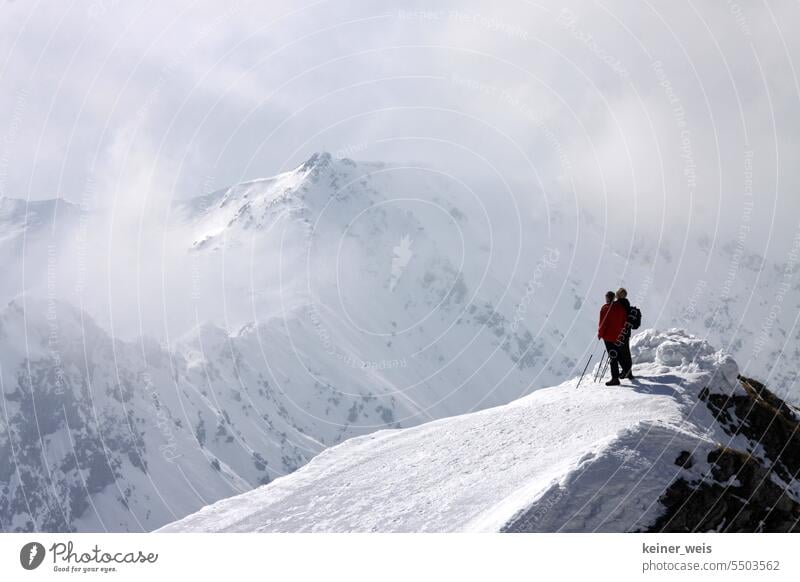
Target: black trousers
{"points": [[625, 358], [613, 357], [619, 356]]}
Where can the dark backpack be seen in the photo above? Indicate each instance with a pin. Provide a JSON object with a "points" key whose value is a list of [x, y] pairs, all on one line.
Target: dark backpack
{"points": [[635, 317]]}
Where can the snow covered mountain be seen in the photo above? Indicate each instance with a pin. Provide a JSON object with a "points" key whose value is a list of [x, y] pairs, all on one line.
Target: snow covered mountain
{"points": [[296, 312], [413, 267], [384, 268], [688, 447]]}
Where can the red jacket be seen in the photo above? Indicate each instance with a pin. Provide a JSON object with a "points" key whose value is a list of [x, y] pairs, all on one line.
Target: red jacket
{"points": [[613, 318]]}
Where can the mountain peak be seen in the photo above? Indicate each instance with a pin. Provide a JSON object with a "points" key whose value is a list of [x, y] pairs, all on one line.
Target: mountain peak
{"points": [[321, 162], [317, 160]]}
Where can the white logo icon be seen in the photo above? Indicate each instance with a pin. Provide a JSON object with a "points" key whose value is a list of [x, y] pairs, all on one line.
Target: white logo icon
{"points": [[402, 257]]}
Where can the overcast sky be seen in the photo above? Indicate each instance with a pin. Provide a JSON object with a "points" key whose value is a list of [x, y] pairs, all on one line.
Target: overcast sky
{"points": [[656, 110]]}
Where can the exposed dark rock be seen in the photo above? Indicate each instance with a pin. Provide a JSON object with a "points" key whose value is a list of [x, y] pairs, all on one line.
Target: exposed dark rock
{"points": [[740, 492], [685, 460], [764, 418], [738, 495]]}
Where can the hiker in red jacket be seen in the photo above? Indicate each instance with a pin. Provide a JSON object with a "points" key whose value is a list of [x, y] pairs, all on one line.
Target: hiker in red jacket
{"points": [[611, 329]]}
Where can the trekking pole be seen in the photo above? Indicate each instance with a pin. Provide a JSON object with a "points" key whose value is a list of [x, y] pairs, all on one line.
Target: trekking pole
{"points": [[584, 370], [586, 367], [600, 366], [605, 367]]}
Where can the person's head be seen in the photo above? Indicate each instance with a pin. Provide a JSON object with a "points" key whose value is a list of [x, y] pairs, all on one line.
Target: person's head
{"points": [[622, 293], [609, 297]]}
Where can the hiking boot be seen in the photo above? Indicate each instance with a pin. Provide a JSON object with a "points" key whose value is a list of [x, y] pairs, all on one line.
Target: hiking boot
{"points": [[613, 382]]}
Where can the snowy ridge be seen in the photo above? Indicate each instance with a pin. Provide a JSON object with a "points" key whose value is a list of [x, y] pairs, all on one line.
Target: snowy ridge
{"points": [[561, 459]]}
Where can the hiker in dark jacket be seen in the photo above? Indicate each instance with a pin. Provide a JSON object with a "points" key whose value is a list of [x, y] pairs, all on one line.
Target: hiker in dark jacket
{"points": [[610, 329], [625, 358]]}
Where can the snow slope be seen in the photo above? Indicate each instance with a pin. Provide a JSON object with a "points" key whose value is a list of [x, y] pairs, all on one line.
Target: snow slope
{"points": [[562, 459]]}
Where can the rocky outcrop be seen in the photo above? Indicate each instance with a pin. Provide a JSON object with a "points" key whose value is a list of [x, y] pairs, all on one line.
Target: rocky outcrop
{"points": [[740, 490]]}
